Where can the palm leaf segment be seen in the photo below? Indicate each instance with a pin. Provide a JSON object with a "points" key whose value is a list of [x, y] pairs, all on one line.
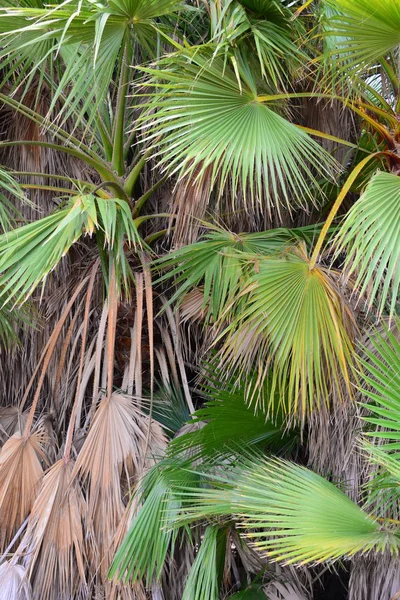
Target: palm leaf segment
{"points": [[29, 253], [210, 127], [370, 236]]}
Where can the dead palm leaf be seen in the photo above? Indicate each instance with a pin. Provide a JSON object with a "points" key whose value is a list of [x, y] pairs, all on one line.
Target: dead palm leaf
{"points": [[21, 470], [13, 582], [54, 540], [114, 445]]}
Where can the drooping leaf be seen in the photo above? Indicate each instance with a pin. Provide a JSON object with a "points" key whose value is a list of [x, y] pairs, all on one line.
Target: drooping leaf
{"points": [[143, 551], [29, 253], [202, 582], [54, 539]]}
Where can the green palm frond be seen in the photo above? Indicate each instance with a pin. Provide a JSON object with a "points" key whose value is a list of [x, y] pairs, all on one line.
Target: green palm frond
{"points": [[87, 39], [294, 320], [289, 512], [382, 389], [205, 125], [217, 263], [245, 30], [202, 582], [9, 190], [152, 534], [229, 423], [28, 254], [364, 31], [370, 236]]}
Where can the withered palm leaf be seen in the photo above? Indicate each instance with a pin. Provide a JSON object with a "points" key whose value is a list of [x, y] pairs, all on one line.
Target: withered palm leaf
{"points": [[21, 471], [54, 540]]}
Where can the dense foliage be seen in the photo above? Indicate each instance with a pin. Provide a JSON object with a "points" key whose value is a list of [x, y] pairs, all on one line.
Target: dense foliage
{"points": [[199, 283]]}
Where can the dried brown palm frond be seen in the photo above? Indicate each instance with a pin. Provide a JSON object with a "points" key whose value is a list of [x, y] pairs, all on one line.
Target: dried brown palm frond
{"points": [[113, 449], [12, 420], [189, 206], [54, 540], [374, 578], [21, 470], [13, 582]]}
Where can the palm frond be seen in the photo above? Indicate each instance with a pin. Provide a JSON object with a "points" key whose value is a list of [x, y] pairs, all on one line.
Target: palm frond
{"points": [[289, 512], [80, 44], [227, 423], [202, 582], [21, 471], [370, 237], [382, 389], [28, 254], [207, 121], [113, 446], [54, 539], [293, 319], [363, 31], [143, 552]]}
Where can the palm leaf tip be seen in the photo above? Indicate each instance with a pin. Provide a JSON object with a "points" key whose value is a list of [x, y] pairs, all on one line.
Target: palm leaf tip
{"points": [[206, 125]]}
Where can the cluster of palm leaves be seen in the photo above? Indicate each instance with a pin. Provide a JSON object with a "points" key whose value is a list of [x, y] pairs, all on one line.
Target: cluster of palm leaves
{"points": [[199, 286]]}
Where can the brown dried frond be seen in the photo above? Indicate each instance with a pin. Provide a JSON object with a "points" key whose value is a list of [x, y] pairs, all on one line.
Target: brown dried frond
{"points": [[21, 470], [13, 582], [12, 420], [113, 447], [54, 539]]}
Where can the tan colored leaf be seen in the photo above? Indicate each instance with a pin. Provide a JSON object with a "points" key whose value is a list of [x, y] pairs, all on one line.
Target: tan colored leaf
{"points": [[20, 474], [13, 582], [54, 540], [113, 448]]}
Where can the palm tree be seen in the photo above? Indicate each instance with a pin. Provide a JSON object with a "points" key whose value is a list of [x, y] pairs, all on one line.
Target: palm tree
{"points": [[230, 295]]}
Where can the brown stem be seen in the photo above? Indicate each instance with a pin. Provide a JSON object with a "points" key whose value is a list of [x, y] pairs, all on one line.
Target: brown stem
{"points": [[50, 349], [71, 427]]}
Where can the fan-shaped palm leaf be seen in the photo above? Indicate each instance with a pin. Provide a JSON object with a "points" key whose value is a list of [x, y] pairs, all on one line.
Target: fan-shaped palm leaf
{"points": [[294, 317], [208, 121], [382, 379], [370, 236], [364, 31], [291, 513], [21, 471]]}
